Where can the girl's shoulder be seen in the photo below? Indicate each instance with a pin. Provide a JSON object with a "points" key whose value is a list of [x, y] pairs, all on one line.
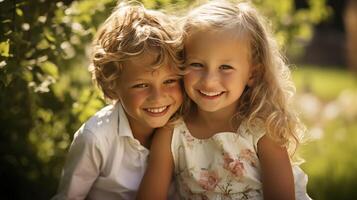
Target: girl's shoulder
{"points": [[252, 130]]}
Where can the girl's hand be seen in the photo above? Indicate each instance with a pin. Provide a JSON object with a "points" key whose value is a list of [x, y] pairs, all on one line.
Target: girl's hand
{"points": [[156, 181]]}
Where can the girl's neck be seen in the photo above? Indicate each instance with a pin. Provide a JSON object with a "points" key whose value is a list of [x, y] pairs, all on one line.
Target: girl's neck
{"points": [[203, 124]]}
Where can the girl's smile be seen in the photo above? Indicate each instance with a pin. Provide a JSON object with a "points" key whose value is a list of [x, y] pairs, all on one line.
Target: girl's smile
{"points": [[210, 94], [218, 70]]}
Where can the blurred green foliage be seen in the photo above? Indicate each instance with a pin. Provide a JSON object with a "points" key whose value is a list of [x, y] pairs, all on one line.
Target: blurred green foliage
{"points": [[46, 91], [327, 84], [327, 99]]}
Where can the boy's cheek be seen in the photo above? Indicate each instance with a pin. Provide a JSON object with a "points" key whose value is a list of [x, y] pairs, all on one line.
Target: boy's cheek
{"points": [[178, 93], [133, 97]]}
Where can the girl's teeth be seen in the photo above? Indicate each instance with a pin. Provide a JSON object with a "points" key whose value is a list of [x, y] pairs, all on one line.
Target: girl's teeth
{"points": [[211, 94], [156, 110]]}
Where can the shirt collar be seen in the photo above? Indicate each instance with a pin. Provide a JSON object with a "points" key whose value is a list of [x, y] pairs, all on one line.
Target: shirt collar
{"points": [[124, 127]]}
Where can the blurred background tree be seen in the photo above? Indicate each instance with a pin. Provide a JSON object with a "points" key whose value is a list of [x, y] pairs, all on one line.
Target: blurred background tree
{"points": [[46, 91]]}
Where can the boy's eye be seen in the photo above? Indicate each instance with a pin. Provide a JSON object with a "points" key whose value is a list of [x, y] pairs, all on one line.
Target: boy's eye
{"points": [[224, 67], [170, 81], [196, 65], [140, 85]]}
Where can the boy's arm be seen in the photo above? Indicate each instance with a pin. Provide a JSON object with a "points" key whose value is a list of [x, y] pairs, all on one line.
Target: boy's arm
{"points": [[277, 175], [156, 181], [81, 168]]}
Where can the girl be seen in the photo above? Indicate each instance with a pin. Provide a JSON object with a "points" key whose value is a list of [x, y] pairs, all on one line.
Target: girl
{"points": [[238, 132]]}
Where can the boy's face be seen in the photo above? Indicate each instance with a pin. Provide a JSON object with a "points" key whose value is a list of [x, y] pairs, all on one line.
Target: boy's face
{"points": [[149, 97]]}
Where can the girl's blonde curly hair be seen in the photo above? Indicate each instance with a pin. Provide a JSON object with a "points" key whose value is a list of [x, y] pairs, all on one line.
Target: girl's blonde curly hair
{"points": [[130, 31], [267, 102]]}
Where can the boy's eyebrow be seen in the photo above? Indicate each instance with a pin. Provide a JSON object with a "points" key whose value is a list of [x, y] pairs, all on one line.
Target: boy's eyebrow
{"points": [[192, 57], [175, 75]]}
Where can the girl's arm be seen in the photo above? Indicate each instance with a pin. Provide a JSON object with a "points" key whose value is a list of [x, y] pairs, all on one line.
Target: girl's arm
{"points": [[156, 181], [277, 175]]}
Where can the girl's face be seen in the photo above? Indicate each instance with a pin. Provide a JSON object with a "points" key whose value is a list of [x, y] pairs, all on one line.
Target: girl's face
{"points": [[218, 70]]}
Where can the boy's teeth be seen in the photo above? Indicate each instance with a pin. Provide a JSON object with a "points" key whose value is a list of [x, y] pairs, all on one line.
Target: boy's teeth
{"points": [[210, 93], [156, 110]]}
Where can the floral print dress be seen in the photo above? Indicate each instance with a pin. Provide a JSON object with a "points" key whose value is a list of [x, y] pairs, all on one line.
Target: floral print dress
{"points": [[224, 166]]}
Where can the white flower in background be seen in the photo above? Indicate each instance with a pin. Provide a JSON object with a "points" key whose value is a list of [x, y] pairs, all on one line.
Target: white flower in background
{"points": [[69, 51], [331, 111], [316, 133], [309, 106], [347, 101]]}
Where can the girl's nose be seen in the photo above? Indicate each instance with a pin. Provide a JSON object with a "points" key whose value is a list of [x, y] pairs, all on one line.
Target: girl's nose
{"points": [[210, 78]]}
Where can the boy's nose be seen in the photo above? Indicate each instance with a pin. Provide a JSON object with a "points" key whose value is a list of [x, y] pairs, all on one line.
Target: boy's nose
{"points": [[156, 93]]}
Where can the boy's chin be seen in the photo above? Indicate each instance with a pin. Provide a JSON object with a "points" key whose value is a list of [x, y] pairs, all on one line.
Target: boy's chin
{"points": [[157, 124]]}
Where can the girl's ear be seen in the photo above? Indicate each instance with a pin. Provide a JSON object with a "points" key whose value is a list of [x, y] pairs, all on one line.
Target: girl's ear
{"points": [[250, 81], [252, 75]]}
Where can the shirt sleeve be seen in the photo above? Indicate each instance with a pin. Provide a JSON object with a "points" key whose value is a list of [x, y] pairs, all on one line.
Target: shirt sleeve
{"points": [[82, 166]]}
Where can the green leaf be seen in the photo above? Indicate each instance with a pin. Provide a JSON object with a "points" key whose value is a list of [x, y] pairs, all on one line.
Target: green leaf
{"points": [[49, 35], [50, 68], [6, 80], [19, 12], [5, 48]]}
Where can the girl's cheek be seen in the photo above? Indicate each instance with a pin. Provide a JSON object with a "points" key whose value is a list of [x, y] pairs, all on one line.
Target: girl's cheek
{"points": [[191, 77]]}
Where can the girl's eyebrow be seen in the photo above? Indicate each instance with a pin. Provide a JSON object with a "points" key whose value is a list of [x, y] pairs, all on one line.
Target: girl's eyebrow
{"points": [[196, 58], [226, 60]]}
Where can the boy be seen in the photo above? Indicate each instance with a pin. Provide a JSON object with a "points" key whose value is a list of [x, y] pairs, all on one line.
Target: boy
{"points": [[135, 63]]}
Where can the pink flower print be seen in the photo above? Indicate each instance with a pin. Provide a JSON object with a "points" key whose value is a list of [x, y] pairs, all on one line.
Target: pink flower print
{"points": [[249, 155], [186, 189], [208, 180], [227, 159], [204, 197], [235, 166], [188, 136]]}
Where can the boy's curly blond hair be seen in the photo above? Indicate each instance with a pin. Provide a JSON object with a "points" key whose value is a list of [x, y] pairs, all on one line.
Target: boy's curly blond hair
{"points": [[267, 102], [130, 31]]}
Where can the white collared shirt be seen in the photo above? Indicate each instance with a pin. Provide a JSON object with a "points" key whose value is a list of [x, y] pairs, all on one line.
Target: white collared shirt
{"points": [[104, 161]]}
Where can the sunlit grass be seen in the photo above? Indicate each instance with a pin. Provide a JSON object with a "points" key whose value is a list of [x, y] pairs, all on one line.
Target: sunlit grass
{"points": [[326, 83]]}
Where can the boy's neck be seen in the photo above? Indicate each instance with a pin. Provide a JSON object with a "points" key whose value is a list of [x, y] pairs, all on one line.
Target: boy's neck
{"points": [[142, 133]]}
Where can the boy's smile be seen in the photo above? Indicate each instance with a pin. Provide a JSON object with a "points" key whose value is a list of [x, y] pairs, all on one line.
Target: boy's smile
{"points": [[156, 112], [149, 96]]}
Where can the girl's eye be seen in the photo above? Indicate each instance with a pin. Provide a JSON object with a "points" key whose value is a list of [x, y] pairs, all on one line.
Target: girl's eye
{"points": [[140, 85], [195, 65], [225, 67]]}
